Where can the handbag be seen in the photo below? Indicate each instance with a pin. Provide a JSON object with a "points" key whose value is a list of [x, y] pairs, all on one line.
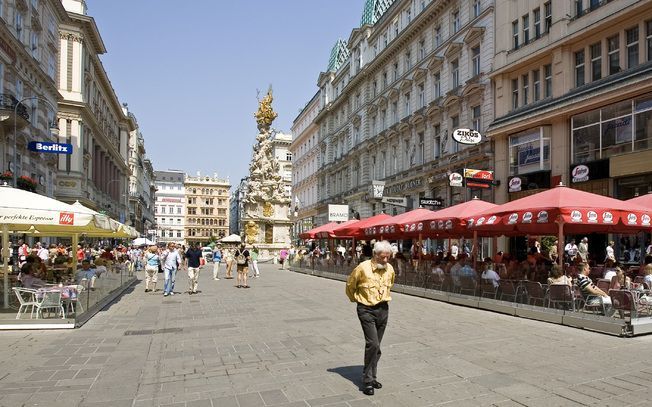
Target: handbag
{"points": [[202, 261]]}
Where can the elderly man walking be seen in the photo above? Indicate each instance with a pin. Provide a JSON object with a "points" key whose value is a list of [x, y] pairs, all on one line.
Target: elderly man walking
{"points": [[369, 286], [171, 262]]}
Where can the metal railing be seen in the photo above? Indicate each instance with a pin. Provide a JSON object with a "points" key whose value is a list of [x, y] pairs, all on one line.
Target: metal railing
{"points": [[9, 102]]}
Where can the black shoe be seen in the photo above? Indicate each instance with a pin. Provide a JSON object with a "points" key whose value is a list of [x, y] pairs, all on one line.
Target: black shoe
{"points": [[368, 390], [146, 290], [376, 385]]}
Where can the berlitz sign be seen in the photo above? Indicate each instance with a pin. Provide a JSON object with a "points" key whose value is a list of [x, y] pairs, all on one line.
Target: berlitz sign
{"points": [[467, 136], [48, 147], [338, 213]]}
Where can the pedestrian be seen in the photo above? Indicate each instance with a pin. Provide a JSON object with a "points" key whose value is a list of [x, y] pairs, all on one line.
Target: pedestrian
{"points": [[242, 258], [553, 253], [610, 252], [583, 250], [193, 256], [217, 259], [369, 286], [254, 261], [152, 263], [228, 256], [283, 255], [171, 261], [571, 251]]}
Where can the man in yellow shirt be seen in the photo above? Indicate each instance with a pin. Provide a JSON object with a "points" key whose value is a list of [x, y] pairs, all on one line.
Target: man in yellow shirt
{"points": [[369, 286]]}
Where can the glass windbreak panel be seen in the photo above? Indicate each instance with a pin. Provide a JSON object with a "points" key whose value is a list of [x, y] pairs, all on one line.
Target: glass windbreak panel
{"points": [[586, 119], [586, 144], [643, 103], [617, 110], [643, 136], [616, 136]]}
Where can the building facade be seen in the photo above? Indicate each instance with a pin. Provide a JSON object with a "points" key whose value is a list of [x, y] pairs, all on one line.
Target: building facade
{"points": [[281, 145], [393, 94], [29, 51], [170, 206], [305, 154], [207, 208], [141, 183], [92, 119], [573, 97], [236, 207]]}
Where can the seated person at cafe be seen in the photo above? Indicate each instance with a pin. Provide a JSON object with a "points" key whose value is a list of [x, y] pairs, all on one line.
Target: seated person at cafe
{"points": [[609, 269], [592, 294], [489, 273], [619, 280], [87, 274], [557, 277], [100, 267], [647, 272], [27, 278]]}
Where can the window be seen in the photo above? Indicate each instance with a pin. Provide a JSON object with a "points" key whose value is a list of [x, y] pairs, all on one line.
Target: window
{"points": [[408, 16], [408, 61], [525, 80], [407, 105], [515, 34], [596, 61], [422, 95], [648, 39], [475, 118], [536, 85], [455, 73], [178, 234], [423, 5], [437, 39], [547, 78], [476, 8], [456, 21], [394, 112], [613, 52], [514, 93], [395, 28], [537, 22], [632, 47], [384, 80], [395, 71], [52, 66], [2, 76], [383, 164], [529, 151], [394, 160], [385, 40], [526, 28], [18, 23], [374, 89], [422, 50], [34, 40], [475, 59], [436, 130], [19, 89], [579, 8], [436, 88], [383, 119], [455, 123], [547, 9], [579, 68], [421, 151]]}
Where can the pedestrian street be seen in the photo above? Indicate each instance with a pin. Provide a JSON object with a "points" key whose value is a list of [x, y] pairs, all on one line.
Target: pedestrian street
{"points": [[295, 340]]}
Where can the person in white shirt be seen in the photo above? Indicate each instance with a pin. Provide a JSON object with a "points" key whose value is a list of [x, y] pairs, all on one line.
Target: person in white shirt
{"points": [[571, 250], [455, 250], [609, 268], [610, 252], [42, 253], [489, 273]]}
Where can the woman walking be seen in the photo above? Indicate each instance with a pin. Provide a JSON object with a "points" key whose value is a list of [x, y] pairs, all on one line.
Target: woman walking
{"points": [[254, 262], [228, 256], [152, 264]]}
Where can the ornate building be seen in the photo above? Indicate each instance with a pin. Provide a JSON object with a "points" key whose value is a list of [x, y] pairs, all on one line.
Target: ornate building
{"points": [[141, 183], [29, 50], [393, 94], [170, 206], [305, 154], [573, 97], [207, 208], [92, 119]]}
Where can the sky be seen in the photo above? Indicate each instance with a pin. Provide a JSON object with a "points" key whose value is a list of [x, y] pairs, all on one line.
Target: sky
{"points": [[190, 70]]}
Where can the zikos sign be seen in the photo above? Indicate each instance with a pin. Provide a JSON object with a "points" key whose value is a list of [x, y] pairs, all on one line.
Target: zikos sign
{"points": [[467, 136]]}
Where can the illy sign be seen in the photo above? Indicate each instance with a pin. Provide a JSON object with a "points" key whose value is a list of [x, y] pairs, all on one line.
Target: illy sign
{"points": [[66, 218]]}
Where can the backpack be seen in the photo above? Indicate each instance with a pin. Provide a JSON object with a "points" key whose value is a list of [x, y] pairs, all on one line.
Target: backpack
{"points": [[240, 259]]}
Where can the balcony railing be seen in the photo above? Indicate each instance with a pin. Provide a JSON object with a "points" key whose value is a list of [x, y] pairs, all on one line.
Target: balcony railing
{"points": [[8, 102]]}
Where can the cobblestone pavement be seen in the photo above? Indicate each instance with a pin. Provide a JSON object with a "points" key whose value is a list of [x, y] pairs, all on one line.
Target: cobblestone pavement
{"points": [[294, 340]]}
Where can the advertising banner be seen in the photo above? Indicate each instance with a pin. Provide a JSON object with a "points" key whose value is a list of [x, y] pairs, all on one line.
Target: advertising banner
{"points": [[338, 213]]}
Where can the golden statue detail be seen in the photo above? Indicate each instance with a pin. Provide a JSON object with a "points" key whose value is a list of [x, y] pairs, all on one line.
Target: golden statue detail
{"points": [[268, 210], [265, 114], [251, 232]]}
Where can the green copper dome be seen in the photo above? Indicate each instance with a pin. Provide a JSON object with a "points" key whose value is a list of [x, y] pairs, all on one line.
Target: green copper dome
{"points": [[339, 54], [373, 10]]}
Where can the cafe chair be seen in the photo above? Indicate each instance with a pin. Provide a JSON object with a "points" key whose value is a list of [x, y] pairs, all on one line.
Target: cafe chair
{"points": [[561, 295], [49, 300], [487, 288], [536, 292], [26, 298]]}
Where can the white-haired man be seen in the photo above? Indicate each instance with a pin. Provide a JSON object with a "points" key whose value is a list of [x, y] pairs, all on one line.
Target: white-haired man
{"points": [[369, 286]]}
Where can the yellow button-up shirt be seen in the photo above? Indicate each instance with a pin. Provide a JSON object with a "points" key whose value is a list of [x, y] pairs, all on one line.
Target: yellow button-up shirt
{"points": [[370, 285]]}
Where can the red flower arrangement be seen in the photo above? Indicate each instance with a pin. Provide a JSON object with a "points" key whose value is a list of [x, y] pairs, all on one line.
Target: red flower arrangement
{"points": [[26, 183]]}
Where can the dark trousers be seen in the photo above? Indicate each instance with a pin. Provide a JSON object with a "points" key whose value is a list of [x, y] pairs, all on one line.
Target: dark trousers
{"points": [[373, 321]]}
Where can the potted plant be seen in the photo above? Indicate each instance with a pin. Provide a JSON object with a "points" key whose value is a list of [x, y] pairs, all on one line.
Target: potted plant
{"points": [[6, 176], [26, 183]]}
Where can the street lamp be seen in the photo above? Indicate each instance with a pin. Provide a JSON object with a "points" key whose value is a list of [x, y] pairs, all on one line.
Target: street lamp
{"points": [[54, 130]]}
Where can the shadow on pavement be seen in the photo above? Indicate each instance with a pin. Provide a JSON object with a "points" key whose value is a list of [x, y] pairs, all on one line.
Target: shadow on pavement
{"points": [[351, 373]]}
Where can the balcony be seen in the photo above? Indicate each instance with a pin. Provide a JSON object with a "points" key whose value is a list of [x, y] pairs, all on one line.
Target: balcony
{"points": [[8, 107]]}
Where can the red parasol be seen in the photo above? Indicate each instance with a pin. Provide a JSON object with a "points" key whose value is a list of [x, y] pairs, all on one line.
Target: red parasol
{"points": [[643, 200], [312, 233], [327, 233], [356, 230], [454, 220]]}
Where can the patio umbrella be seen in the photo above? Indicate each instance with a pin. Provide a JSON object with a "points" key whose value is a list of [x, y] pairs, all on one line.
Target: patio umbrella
{"points": [[454, 220], [231, 239], [643, 200], [312, 233], [142, 241], [562, 210], [327, 232], [356, 229], [399, 226]]}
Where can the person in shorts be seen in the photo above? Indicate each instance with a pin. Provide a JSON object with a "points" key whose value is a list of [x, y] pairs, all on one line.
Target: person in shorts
{"points": [[242, 258], [152, 262]]}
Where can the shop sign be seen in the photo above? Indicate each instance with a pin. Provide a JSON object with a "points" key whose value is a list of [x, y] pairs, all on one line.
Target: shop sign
{"points": [[48, 147], [467, 136], [404, 186], [177, 200], [377, 189], [455, 179], [66, 218], [484, 175], [437, 202], [542, 217], [338, 213], [395, 200], [580, 173], [514, 184]]}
